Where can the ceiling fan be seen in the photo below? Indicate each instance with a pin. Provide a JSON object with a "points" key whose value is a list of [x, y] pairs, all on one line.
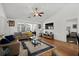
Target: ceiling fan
{"points": [[36, 12]]}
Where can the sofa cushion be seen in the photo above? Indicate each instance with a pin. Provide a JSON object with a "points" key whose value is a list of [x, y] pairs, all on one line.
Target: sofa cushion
{"points": [[10, 37], [4, 41], [28, 33]]}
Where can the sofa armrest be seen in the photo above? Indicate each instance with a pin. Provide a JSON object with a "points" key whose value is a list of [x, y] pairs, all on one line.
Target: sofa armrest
{"points": [[13, 46]]}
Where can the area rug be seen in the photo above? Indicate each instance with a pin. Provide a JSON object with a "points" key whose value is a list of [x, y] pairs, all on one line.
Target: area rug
{"points": [[32, 51]]}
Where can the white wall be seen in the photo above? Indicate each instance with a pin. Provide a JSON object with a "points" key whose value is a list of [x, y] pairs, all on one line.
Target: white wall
{"points": [[78, 26], [14, 29], [2, 20], [59, 28], [20, 21], [1, 25], [2, 14], [69, 11]]}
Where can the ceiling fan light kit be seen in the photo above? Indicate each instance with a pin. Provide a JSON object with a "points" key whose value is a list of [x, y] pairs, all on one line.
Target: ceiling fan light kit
{"points": [[36, 12]]}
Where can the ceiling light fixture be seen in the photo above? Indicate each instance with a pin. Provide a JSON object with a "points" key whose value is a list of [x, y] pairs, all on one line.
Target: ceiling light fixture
{"points": [[36, 12]]}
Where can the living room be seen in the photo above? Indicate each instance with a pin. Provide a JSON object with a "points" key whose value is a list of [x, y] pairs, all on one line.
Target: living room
{"points": [[38, 29]]}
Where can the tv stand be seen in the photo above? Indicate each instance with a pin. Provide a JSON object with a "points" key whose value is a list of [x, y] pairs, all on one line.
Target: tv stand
{"points": [[48, 36]]}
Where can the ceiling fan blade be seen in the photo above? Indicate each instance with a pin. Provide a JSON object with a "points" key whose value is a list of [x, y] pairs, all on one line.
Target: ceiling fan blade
{"points": [[41, 12], [36, 12], [34, 15], [40, 15]]}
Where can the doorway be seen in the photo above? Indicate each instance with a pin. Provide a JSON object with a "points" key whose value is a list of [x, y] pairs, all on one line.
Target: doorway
{"points": [[71, 29]]}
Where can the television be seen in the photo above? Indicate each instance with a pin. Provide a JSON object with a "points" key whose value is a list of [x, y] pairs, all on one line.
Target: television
{"points": [[49, 25]]}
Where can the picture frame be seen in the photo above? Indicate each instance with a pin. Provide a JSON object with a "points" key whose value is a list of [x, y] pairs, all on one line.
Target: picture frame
{"points": [[39, 26], [74, 26], [11, 23]]}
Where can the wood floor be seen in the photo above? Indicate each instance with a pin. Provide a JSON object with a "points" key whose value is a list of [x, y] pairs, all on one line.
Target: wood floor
{"points": [[62, 48]]}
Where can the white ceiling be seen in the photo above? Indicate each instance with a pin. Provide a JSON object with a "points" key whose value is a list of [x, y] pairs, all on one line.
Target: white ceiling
{"points": [[24, 10]]}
